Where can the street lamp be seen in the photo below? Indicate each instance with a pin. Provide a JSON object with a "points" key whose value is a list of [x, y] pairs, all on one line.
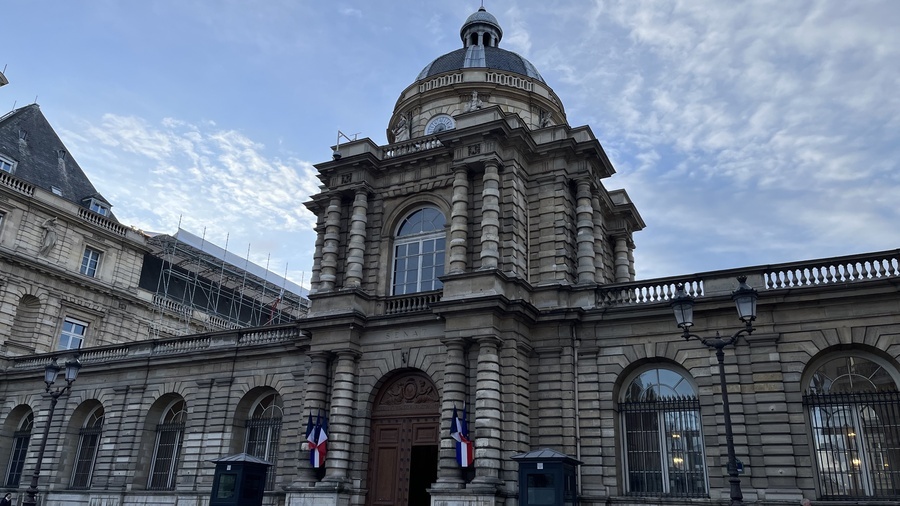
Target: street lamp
{"points": [[51, 372], [745, 300]]}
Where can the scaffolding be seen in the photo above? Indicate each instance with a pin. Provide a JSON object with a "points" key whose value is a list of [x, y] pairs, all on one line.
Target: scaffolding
{"points": [[200, 287]]}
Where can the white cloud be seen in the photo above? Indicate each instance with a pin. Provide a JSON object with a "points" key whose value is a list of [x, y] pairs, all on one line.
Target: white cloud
{"points": [[214, 182]]}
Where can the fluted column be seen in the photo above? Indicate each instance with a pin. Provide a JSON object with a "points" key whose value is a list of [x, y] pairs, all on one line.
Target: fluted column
{"points": [[623, 264], [449, 472], [487, 412], [584, 224], [316, 395], [357, 242], [340, 423], [459, 222], [490, 217], [328, 275]]}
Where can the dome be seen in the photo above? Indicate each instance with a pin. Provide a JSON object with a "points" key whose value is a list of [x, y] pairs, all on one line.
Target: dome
{"points": [[481, 16], [481, 34]]}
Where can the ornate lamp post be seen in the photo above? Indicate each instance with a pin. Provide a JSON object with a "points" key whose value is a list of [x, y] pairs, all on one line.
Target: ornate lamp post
{"points": [[745, 300], [51, 372]]}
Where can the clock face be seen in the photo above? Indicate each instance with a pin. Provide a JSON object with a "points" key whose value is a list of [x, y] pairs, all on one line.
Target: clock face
{"points": [[439, 124]]}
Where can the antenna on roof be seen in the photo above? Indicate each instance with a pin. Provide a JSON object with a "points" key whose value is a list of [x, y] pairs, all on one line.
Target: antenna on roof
{"points": [[35, 99], [337, 148]]}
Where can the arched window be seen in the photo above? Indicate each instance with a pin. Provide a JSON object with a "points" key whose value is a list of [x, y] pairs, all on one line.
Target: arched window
{"points": [[89, 441], [419, 252], [662, 438], [21, 438], [854, 413], [169, 435], [264, 432]]}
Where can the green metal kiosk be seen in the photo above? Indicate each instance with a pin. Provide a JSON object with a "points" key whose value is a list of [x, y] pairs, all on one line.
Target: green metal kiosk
{"points": [[547, 478], [240, 480]]}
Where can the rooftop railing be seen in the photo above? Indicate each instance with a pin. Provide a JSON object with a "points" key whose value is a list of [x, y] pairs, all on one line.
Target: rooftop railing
{"points": [[164, 347], [793, 275]]}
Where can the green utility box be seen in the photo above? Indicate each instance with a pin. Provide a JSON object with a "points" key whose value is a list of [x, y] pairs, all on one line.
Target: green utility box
{"points": [[547, 478], [240, 480]]}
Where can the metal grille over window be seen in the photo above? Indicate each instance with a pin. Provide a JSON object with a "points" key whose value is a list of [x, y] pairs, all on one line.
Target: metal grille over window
{"points": [[854, 414], [419, 252], [663, 438], [89, 441], [21, 438], [264, 432], [169, 436]]}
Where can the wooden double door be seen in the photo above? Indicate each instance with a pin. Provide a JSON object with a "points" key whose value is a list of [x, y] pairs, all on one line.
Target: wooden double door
{"points": [[403, 448]]}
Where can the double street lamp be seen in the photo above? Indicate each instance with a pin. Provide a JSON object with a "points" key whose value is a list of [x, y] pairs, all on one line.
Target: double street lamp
{"points": [[51, 373], [745, 300]]}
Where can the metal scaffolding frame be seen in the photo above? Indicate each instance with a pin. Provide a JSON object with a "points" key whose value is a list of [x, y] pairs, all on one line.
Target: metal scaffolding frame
{"points": [[205, 288]]}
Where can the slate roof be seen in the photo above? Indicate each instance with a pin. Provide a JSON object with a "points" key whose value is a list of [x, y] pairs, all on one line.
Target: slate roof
{"points": [[481, 55], [494, 58], [37, 156]]}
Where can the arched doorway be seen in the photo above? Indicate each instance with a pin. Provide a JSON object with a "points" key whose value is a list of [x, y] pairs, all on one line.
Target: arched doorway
{"points": [[405, 436]]}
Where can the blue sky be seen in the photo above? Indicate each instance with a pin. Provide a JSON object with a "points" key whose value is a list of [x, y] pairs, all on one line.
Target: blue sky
{"points": [[745, 132]]}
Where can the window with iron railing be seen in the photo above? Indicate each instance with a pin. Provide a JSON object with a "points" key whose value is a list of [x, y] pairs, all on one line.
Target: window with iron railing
{"points": [[21, 439], [88, 443], [662, 436], [854, 414], [169, 436], [264, 433]]}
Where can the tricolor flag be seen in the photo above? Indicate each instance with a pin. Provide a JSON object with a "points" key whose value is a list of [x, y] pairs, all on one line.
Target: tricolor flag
{"points": [[465, 449], [317, 435]]}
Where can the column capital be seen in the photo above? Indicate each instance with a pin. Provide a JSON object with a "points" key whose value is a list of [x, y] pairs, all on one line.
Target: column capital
{"points": [[490, 340]]}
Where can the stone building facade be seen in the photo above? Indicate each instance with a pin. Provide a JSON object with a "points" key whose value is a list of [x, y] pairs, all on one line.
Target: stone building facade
{"points": [[477, 263]]}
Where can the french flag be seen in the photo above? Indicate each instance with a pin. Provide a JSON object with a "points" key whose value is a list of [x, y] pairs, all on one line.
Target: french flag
{"points": [[465, 449], [317, 435]]}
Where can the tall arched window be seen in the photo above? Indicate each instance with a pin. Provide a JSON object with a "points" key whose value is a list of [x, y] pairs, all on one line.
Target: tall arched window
{"points": [[264, 432], [854, 413], [21, 439], [169, 436], [89, 441], [419, 252], [662, 438]]}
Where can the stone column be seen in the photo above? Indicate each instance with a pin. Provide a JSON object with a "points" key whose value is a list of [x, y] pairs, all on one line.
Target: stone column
{"points": [[601, 274], [340, 423], [584, 225], [328, 274], [490, 217], [631, 270], [449, 472], [315, 278], [487, 413], [316, 394], [459, 222], [357, 243], [623, 264]]}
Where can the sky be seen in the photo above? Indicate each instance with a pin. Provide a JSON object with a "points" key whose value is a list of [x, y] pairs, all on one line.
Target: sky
{"points": [[746, 133]]}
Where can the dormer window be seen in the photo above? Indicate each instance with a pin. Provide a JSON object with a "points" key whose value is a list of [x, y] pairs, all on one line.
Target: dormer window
{"points": [[99, 207], [56, 190], [7, 165]]}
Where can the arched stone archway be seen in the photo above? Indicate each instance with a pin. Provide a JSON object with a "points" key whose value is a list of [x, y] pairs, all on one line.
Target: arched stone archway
{"points": [[405, 436]]}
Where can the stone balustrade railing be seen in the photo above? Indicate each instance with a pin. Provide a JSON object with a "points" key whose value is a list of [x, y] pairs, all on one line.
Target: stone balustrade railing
{"points": [[102, 222], [161, 347], [793, 275], [410, 303], [411, 146], [16, 184]]}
